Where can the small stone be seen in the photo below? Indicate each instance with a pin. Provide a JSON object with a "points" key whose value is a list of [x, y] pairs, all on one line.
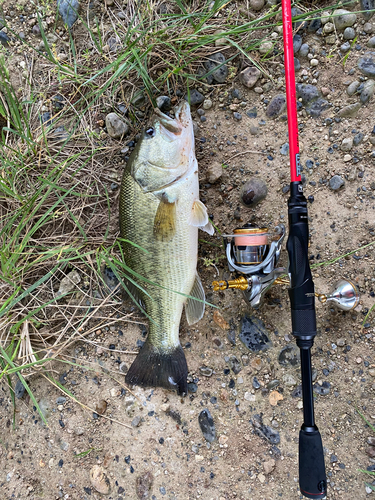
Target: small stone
{"points": [[265, 47], [367, 28], [349, 34], [101, 407], [268, 433], [275, 397], [136, 422], [164, 103], [367, 92], [249, 397], [371, 451], [143, 485], [261, 478], [68, 283], [347, 144], [352, 88], [276, 106], [249, 76], [206, 423], [289, 380], [207, 104], [297, 42], [370, 43], [221, 42], [99, 480], [304, 50], [289, 355], [343, 18], [325, 17], [314, 62], [323, 389], [254, 130], [214, 172], [358, 361], [256, 383], [328, 28], [116, 126], [237, 116], [314, 25], [336, 182], [68, 10], [269, 466], [350, 110], [195, 97], [253, 191], [20, 388], [256, 363], [257, 4], [331, 39], [368, 7], [341, 342], [345, 47], [367, 64], [219, 320], [4, 39], [253, 334], [205, 371], [215, 63], [347, 158]]}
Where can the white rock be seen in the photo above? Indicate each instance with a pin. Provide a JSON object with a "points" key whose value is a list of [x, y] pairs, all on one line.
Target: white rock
{"points": [[207, 104], [347, 158], [249, 397], [347, 144], [116, 126], [265, 47], [314, 62], [68, 283], [328, 28], [325, 18]]}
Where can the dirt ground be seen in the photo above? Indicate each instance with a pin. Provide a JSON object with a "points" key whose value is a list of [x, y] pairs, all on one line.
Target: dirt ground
{"points": [[154, 431]]}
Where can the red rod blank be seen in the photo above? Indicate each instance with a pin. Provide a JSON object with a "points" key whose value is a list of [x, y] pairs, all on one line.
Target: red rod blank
{"points": [[290, 84]]}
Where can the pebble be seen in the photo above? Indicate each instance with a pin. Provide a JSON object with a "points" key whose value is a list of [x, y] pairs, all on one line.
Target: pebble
{"points": [[368, 7], [297, 42], [99, 480], [195, 97], [345, 47], [68, 10], [314, 62], [237, 115], [110, 278], [253, 191], [101, 407], [358, 138], [370, 43], [307, 92], [249, 76], [68, 283], [336, 182], [249, 397], [207, 426], [253, 334], [116, 126], [214, 172], [164, 103], [205, 371], [347, 144], [289, 355], [234, 365], [136, 422], [314, 25], [343, 18], [328, 28], [256, 383], [352, 88], [367, 28], [304, 50], [4, 39], [350, 110], [349, 34], [276, 106], [143, 485], [265, 47], [269, 466], [289, 380], [266, 432], [323, 389], [19, 390], [366, 64], [367, 92], [347, 158], [215, 63], [284, 149], [325, 17], [257, 4], [207, 104]]}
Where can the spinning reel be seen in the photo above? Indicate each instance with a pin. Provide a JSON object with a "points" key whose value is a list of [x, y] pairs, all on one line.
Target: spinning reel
{"points": [[252, 254]]}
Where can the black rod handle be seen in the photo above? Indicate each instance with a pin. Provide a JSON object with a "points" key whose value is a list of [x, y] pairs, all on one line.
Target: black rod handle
{"points": [[312, 473]]}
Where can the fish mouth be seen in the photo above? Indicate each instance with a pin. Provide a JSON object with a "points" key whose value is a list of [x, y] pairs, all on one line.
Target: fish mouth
{"points": [[181, 120]]}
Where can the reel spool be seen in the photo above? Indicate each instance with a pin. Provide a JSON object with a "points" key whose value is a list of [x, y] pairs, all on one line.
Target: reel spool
{"points": [[252, 254]]}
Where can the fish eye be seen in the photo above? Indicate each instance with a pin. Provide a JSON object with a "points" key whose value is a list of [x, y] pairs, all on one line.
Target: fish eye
{"points": [[150, 132]]}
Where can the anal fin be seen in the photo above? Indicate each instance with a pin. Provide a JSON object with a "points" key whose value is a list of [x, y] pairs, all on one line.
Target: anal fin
{"points": [[159, 368], [165, 221], [194, 309]]}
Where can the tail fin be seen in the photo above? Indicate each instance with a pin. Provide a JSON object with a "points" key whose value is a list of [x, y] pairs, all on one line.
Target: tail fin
{"points": [[159, 368]]}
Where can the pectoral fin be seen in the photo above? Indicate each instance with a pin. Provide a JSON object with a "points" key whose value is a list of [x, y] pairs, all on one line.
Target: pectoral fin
{"points": [[165, 221], [194, 309], [199, 217]]}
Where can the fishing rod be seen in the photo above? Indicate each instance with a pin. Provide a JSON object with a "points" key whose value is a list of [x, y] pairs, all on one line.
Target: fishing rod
{"points": [[253, 253], [312, 474]]}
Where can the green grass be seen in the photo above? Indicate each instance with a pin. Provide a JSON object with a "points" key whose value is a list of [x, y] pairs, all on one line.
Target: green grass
{"points": [[58, 212]]}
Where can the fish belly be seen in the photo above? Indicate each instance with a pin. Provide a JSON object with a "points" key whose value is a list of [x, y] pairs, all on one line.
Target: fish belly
{"points": [[169, 264]]}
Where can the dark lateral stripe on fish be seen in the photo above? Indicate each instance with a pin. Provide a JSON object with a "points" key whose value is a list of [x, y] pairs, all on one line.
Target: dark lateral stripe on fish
{"points": [[155, 368]]}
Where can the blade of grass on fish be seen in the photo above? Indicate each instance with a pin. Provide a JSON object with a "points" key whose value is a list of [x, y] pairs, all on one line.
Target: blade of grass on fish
{"points": [[24, 383]]}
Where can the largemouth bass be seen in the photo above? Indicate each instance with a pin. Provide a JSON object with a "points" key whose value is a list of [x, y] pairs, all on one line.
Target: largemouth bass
{"points": [[160, 214]]}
